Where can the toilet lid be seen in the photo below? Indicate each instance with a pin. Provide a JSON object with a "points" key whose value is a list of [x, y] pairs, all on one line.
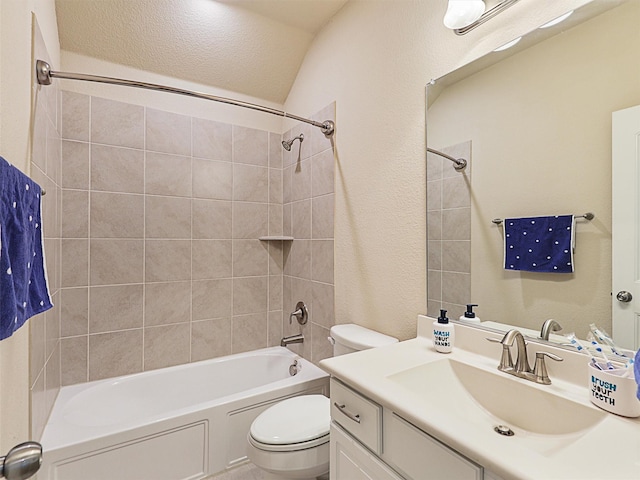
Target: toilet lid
{"points": [[295, 420]]}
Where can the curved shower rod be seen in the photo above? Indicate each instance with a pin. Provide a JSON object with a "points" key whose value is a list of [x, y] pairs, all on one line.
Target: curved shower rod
{"points": [[45, 76], [460, 163]]}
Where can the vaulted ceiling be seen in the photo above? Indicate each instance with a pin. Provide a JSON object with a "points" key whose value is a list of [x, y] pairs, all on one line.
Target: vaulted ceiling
{"points": [[254, 47]]}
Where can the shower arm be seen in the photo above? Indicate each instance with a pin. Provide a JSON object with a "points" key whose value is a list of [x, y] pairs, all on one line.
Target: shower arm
{"points": [[45, 75], [460, 163]]}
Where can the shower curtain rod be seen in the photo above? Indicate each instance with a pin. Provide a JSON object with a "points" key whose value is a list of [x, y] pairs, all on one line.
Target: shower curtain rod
{"points": [[460, 163], [45, 76]]}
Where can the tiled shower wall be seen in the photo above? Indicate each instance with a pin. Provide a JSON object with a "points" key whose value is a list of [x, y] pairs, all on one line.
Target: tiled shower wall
{"points": [[448, 232], [44, 329], [161, 262], [309, 217]]}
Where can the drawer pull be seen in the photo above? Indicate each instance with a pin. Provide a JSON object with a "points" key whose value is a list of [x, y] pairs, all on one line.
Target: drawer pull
{"points": [[342, 408]]}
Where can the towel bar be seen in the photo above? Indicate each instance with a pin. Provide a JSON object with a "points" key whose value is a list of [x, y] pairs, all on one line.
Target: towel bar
{"points": [[589, 216]]}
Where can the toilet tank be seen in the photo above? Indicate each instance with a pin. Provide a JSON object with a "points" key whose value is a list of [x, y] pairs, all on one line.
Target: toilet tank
{"points": [[349, 337]]}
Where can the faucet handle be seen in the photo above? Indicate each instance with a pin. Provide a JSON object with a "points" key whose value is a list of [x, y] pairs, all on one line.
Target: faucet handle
{"points": [[506, 362], [540, 368]]}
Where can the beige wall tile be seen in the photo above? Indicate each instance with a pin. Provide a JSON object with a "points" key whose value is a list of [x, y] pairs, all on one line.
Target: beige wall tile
{"points": [[322, 304], [455, 192], [73, 360], [166, 345], [167, 175], [286, 219], [250, 258], [75, 213], [167, 303], [167, 217], [211, 219], [301, 219], [275, 150], [322, 212], [116, 307], [434, 251], [249, 332], [456, 256], [322, 260], [212, 179], [276, 257], [250, 183], [275, 185], [287, 174], [116, 261], [116, 215], [211, 259], [52, 326], [275, 219], [211, 299], [298, 263], [456, 288], [435, 166], [275, 293], [117, 169], [52, 378], [167, 260], [37, 347], [323, 173], [274, 328], [434, 195], [74, 311], [167, 132], [250, 146], [211, 140], [250, 295], [117, 123], [320, 346], [75, 116], [434, 225], [39, 411], [250, 220], [75, 167], [456, 224], [301, 187], [74, 263], [210, 339], [434, 285], [115, 354]]}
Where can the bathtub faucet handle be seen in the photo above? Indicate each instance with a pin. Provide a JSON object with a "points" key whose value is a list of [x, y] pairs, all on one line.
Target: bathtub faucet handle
{"points": [[301, 314]]}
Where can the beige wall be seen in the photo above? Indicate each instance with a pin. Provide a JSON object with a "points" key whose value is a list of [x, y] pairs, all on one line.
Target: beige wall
{"points": [[374, 59], [15, 102], [540, 126]]}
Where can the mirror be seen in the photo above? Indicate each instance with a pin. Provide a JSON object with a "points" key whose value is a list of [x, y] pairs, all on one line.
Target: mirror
{"points": [[535, 125]]}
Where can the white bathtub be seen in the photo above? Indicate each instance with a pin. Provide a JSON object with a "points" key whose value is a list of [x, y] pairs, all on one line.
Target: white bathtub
{"points": [[176, 423]]}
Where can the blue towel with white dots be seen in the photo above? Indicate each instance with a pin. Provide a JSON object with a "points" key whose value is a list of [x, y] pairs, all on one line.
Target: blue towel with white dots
{"points": [[539, 244], [23, 278]]}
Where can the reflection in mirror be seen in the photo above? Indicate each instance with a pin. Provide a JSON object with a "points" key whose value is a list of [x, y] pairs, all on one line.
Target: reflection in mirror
{"points": [[536, 129]]}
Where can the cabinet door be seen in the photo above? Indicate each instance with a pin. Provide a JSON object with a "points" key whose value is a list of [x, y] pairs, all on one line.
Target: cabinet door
{"points": [[419, 456], [351, 461]]}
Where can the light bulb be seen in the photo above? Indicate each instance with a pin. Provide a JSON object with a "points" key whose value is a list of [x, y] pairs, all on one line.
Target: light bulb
{"points": [[461, 13]]}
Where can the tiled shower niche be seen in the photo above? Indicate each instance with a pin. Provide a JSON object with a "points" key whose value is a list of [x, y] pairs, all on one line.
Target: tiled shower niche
{"points": [[161, 215]]}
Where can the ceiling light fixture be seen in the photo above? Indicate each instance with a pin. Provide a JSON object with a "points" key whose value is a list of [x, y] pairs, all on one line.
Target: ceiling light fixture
{"points": [[556, 21], [464, 15]]}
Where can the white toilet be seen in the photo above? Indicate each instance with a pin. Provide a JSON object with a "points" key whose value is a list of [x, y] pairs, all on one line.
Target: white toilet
{"points": [[291, 438]]}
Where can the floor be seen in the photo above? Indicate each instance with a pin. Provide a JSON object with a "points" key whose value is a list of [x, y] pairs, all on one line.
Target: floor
{"points": [[248, 471]]}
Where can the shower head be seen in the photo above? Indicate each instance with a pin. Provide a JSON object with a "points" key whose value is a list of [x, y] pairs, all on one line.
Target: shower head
{"points": [[287, 143]]}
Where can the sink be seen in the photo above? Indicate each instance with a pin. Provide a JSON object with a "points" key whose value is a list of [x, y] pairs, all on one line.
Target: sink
{"points": [[477, 396]]}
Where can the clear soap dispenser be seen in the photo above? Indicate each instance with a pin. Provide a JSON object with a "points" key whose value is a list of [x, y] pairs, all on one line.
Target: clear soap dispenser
{"points": [[443, 333]]}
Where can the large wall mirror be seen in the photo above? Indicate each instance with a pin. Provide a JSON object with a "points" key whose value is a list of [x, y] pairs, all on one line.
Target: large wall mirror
{"points": [[535, 126]]}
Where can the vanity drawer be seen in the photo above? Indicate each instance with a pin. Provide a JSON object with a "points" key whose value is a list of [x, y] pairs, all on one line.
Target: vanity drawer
{"points": [[358, 415], [417, 455]]}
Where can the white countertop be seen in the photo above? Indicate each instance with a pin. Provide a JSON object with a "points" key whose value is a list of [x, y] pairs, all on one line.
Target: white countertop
{"points": [[608, 450]]}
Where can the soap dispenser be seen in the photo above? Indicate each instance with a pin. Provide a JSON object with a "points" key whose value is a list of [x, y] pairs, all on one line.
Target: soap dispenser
{"points": [[470, 316], [443, 333]]}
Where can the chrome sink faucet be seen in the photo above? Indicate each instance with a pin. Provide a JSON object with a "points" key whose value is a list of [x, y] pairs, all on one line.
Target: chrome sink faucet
{"points": [[521, 368], [549, 326]]}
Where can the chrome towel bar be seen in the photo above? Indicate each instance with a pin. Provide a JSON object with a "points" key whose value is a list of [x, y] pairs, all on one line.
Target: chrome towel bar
{"points": [[588, 216]]}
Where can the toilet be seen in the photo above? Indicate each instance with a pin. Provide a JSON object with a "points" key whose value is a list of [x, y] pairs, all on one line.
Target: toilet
{"points": [[290, 440]]}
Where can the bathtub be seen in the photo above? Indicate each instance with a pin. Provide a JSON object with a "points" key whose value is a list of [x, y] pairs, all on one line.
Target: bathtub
{"points": [[176, 423]]}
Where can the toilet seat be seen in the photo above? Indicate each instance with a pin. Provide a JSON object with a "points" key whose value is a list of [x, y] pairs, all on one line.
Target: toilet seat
{"points": [[296, 423]]}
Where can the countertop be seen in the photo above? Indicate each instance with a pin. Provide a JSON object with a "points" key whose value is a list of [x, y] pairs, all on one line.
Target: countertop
{"points": [[608, 450]]}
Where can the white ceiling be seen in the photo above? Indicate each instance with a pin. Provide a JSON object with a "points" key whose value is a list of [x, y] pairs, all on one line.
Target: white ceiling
{"points": [[254, 47]]}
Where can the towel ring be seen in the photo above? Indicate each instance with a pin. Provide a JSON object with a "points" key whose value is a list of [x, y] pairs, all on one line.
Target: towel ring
{"points": [[588, 216]]}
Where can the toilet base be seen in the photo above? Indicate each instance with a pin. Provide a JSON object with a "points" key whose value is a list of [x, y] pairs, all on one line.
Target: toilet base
{"points": [[306, 464]]}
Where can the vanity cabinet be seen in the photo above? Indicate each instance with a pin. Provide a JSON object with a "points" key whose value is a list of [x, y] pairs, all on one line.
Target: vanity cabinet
{"points": [[372, 442]]}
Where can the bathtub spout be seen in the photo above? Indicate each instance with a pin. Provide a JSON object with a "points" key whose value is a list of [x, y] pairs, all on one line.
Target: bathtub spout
{"points": [[299, 338]]}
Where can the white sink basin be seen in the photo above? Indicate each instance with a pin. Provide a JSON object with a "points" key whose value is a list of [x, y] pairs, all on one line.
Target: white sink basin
{"points": [[482, 397]]}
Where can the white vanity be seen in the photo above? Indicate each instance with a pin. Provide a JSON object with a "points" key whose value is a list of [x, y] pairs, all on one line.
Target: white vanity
{"points": [[407, 412]]}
